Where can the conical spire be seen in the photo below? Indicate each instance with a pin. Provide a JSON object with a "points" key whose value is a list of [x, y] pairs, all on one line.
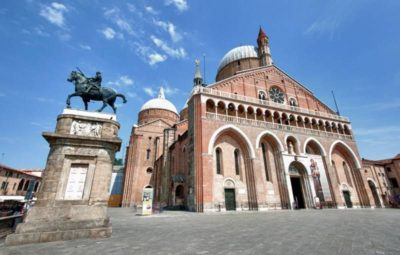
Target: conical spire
{"points": [[161, 93], [198, 80], [262, 37], [263, 48]]}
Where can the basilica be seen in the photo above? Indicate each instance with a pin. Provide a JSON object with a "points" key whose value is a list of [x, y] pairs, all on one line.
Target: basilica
{"points": [[255, 139]]}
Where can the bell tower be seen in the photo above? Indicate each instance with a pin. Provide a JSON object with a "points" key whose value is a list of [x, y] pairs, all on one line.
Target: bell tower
{"points": [[263, 48], [198, 80]]}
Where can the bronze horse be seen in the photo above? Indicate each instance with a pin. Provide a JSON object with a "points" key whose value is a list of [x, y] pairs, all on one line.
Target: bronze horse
{"points": [[107, 95]]}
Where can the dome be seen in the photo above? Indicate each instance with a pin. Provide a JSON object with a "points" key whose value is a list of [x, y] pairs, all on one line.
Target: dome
{"points": [[159, 103], [247, 51]]}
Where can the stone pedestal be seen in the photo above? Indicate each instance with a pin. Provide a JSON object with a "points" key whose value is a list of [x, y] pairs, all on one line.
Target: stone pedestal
{"points": [[72, 200]]}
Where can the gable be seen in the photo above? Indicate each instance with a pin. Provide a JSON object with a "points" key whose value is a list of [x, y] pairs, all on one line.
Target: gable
{"points": [[250, 82], [154, 124]]}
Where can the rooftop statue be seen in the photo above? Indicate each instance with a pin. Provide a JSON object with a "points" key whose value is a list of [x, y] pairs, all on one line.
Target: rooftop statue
{"points": [[91, 89]]}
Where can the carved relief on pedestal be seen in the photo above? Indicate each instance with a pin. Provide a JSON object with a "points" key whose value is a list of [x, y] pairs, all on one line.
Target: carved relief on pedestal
{"points": [[86, 128]]}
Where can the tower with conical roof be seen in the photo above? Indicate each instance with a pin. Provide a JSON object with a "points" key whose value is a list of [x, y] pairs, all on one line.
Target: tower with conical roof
{"points": [[263, 48], [198, 80]]}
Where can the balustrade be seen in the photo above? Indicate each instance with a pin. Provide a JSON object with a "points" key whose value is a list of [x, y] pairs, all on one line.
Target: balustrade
{"points": [[276, 126], [253, 100]]}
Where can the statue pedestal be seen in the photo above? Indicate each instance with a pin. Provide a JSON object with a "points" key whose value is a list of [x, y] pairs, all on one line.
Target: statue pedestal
{"points": [[72, 200]]}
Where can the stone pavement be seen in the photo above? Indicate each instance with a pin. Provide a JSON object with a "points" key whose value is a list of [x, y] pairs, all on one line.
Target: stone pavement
{"points": [[356, 231]]}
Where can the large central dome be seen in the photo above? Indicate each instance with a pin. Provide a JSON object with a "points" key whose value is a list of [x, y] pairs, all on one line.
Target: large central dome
{"points": [[242, 52], [159, 103]]}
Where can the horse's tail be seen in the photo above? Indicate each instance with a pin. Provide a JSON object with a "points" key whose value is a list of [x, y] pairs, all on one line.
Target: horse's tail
{"points": [[121, 96]]}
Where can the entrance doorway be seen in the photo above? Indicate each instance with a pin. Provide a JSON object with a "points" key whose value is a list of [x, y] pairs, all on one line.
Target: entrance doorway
{"points": [[230, 202], [374, 193], [179, 195], [297, 192], [347, 199]]}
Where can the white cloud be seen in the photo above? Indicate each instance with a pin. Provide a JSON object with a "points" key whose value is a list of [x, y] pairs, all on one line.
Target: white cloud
{"points": [[149, 91], [85, 47], [108, 33], [170, 28], [181, 5], [151, 10], [115, 16], [170, 90], [155, 58], [54, 13], [64, 36], [132, 95], [325, 25], [176, 53], [124, 25], [148, 54], [122, 81], [39, 31]]}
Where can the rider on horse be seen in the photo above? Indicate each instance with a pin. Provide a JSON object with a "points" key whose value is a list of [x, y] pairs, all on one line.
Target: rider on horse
{"points": [[94, 82]]}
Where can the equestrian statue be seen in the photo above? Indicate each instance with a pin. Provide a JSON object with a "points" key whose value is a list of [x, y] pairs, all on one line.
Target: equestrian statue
{"points": [[91, 89]]}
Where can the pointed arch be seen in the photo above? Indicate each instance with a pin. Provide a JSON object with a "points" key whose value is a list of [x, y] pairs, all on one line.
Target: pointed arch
{"points": [[266, 132], [317, 142], [242, 135], [351, 152]]}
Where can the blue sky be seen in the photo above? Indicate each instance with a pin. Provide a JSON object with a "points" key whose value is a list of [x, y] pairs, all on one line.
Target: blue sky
{"points": [[351, 47]]}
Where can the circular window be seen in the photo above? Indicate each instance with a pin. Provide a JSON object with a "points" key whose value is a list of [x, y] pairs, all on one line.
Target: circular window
{"points": [[149, 170], [276, 95]]}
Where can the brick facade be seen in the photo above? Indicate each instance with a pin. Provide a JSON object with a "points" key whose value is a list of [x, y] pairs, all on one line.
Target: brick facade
{"points": [[236, 147]]}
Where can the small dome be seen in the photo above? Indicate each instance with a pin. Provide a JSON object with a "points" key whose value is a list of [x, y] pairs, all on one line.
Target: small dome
{"points": [[242, 52], [159, 103]]}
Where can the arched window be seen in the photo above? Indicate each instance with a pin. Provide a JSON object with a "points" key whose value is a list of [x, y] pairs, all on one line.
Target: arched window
{"points": [[262, 95], [36, 186], [265, 158], [149, 170], [347, 173], [148, 154], [292, 102], [237, 161], [26, 185], [21, 184], [218, 156]]}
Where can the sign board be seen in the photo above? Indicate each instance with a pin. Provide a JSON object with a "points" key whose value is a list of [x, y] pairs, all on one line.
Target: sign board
{"points": [[76, 182], [147, 201]]}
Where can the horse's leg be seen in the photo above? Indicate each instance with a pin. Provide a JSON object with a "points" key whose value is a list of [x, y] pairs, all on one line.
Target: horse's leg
{"points": [[69, 98], [86, 104], [111, 102], [104, 106]]}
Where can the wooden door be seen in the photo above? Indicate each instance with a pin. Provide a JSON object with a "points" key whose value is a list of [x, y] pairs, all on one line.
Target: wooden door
{"points": [[230, 201]]}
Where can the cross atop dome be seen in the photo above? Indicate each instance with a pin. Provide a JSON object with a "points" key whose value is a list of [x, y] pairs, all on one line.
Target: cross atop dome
{"points": [[161, 93]]}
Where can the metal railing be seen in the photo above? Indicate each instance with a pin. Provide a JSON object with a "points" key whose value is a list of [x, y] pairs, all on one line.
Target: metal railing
{"points": [[276, 126], [268, 103]]}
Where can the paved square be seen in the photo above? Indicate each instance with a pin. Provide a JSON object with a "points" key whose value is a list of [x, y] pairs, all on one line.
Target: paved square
{"points": [[363, 231]]}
